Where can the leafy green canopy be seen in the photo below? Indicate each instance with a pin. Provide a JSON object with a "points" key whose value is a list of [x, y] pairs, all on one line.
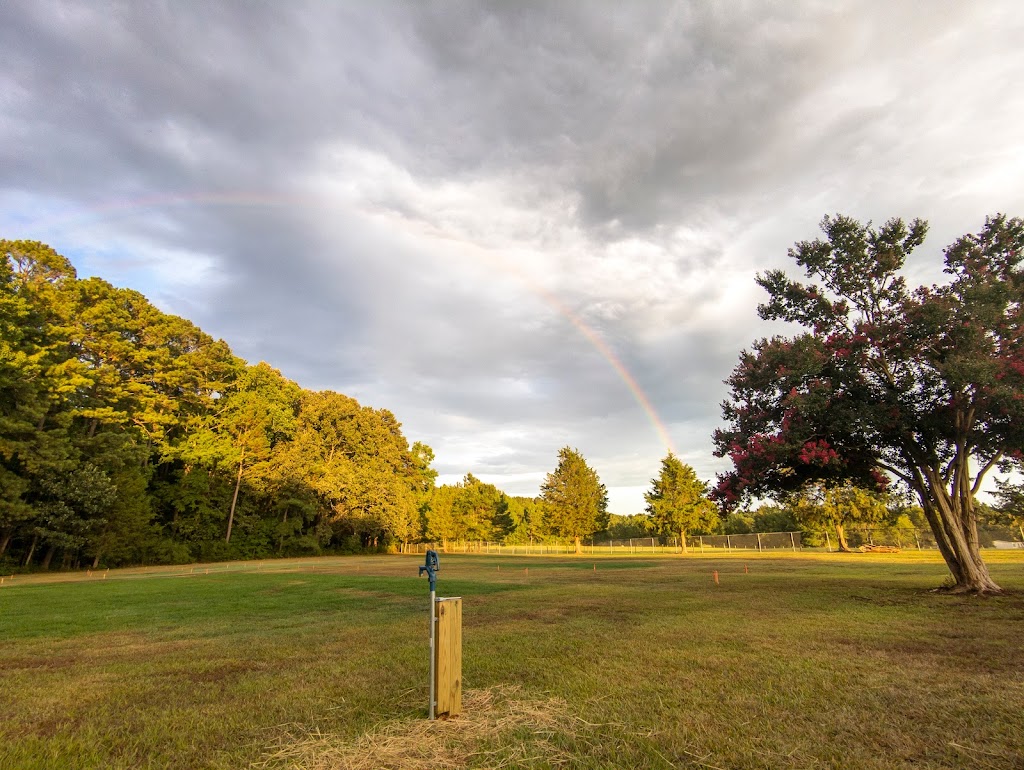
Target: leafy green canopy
{"points": [[925, 387], [127, 435], [819, 507], [470, 510]]}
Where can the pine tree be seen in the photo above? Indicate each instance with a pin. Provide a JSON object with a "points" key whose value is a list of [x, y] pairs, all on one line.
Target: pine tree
{"points": [[677, 501], [575, 499]]}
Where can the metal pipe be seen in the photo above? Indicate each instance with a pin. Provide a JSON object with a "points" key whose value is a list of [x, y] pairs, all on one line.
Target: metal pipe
{"points": [[433, 632], [431, 568]]}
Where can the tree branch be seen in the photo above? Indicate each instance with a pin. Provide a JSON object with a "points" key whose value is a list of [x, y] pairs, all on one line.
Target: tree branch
{"points": [[987, 467], [894, 472]]}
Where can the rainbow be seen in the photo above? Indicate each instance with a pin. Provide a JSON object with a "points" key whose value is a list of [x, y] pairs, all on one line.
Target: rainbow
{"points": [[115, 209]]}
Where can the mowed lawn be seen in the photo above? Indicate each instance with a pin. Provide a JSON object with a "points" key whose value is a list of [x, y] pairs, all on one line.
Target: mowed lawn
{"points": [[804, 661]]}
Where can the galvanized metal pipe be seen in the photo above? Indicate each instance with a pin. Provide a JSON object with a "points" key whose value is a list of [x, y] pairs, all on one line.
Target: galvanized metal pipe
{"points": [[433, 657]]}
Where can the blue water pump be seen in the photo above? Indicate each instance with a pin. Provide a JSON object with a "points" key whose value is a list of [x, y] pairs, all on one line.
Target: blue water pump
{"points": [[431, 568]]}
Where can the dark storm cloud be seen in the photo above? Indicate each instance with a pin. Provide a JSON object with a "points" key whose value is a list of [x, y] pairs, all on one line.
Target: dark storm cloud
{"points": [[448, 208]]}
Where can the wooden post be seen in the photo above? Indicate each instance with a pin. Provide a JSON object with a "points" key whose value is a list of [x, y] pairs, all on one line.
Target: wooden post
{"points": [[758, 542], [792, 540], [448, 665]]}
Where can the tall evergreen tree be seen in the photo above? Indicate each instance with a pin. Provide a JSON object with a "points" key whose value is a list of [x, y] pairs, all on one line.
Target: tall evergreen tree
{"points": [[677, 501], [576, 502]]}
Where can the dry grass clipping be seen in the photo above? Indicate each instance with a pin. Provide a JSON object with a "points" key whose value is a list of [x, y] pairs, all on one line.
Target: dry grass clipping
{"points": [[498, 728]]}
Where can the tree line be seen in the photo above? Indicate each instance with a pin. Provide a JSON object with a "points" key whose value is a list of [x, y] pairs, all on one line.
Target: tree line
{"points": [[572, 507], [128, 435]]}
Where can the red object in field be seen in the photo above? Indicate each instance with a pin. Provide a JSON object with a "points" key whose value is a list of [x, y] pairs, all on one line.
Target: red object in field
{"points": [[745, 570], [715, 575]]}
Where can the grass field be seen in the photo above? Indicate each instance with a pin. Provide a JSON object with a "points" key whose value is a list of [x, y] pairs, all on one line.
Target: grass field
{"points": [[805, 661]]}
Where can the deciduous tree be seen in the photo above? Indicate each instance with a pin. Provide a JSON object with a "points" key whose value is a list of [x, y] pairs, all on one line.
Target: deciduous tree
{"points": [[249, 421], [818, 507], [924, 386], [1009, 507]]}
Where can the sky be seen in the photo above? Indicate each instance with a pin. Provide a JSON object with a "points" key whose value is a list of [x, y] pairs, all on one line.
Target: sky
{"points": [[517, 225]]}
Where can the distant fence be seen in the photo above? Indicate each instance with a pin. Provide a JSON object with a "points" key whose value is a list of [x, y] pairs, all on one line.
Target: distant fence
{"points": [[764, 541], [908, 539], [899, 537], [754, 541]]}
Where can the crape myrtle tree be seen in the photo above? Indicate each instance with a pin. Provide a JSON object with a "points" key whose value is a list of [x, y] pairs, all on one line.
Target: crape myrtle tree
{"points": [[575, 500], [925, 387], [677, 501]]}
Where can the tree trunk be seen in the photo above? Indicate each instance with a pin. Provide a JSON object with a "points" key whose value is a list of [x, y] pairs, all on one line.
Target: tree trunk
{"points": [[955, 527], [841, 535], [6, 540], [48, 557], [31, 550], [682, 540], [234, 498], [579, 546], [96, 561], [280, 540]]}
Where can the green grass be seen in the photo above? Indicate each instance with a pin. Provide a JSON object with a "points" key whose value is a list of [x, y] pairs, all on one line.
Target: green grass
{"points": [[807, 661]]}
